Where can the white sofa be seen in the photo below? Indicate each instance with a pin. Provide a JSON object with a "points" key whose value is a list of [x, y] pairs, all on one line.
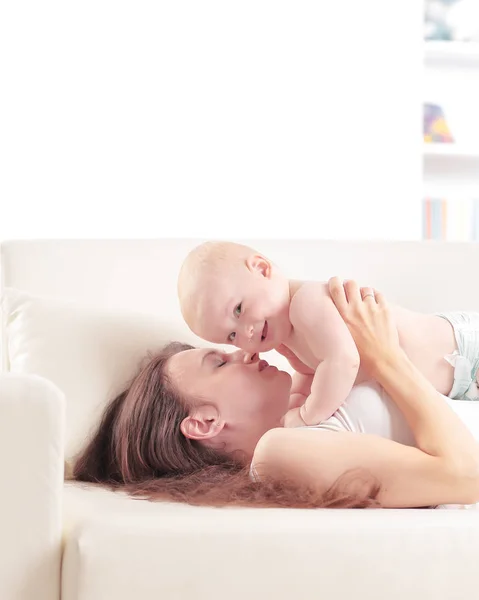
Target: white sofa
{"points": [[61, 539]]}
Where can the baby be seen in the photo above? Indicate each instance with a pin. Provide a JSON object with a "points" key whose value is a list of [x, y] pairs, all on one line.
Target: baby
{"points": [[231, 294]]}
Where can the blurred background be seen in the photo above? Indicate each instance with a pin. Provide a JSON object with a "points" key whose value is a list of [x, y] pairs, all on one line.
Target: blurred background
{"points": [[451, 121], [265, 119]]}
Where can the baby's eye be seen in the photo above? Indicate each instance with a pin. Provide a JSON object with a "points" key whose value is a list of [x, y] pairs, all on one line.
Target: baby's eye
{"points": [[238, 310], [231, 337]]}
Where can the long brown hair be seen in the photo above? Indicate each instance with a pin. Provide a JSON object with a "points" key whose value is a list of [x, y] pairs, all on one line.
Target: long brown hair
{"points": [[138, 447]]}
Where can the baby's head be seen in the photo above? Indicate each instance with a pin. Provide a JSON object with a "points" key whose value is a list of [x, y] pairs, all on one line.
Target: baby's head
{"points": [[231, 294]]}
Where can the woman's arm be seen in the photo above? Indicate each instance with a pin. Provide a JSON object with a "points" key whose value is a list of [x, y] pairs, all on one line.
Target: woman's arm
{"points": [[407, 477], [437, 429], [443, 470]]}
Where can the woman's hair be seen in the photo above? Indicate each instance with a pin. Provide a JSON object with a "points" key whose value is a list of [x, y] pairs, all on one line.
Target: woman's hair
{"points": [[139, 447]]}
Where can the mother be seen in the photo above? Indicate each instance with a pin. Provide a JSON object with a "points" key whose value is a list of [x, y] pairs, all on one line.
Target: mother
{"points": [[193, 421]]}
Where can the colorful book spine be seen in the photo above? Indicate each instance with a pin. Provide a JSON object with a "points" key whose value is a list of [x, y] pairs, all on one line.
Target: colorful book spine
{"points": [[434, 219], [455, 220]]}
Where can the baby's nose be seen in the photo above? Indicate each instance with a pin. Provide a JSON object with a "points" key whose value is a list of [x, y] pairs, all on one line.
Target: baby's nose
{"points": [[244, 357], [251, 358], [249, 331]]}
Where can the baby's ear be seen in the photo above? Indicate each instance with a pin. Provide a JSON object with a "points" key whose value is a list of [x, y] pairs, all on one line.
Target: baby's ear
{"points": [[259, 264]]}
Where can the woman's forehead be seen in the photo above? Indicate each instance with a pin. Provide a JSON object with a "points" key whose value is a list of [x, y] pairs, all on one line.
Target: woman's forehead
{"points": [[190, 373], [189, 360]]}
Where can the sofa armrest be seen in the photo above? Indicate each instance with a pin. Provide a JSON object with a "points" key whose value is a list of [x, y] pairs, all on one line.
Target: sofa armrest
{"points": [[31, 482]]}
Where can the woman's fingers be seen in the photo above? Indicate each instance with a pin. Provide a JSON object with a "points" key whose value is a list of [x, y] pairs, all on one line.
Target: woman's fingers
{"points": [[367, 292], [349, 297], [338, 295], [353, 292], [380, 300], [366, 314], [368, 295]]}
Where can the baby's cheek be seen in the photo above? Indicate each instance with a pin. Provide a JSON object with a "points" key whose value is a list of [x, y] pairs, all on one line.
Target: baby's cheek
{"points": [[244, 345]]}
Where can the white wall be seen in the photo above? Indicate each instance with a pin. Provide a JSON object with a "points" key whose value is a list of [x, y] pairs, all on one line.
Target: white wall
{"points": [[452, 81], [210, 119]]}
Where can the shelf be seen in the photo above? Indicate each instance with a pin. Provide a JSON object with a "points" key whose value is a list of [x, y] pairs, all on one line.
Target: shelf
{"points": [[452, 54], [457, 151]]}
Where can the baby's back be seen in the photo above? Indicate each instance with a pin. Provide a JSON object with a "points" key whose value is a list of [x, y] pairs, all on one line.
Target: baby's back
{"points": [[427, 339]]}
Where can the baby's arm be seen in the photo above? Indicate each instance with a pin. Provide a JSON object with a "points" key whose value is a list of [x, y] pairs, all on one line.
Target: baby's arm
{"points": [[316, 319], [300, 389], [302, 378]]}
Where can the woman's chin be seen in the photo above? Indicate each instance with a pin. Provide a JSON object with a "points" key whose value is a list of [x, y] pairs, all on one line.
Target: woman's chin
{"points": [[286, 377]]}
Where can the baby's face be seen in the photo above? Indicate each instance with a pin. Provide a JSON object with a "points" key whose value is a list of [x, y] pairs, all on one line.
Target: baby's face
{"points": [[247, 311]]}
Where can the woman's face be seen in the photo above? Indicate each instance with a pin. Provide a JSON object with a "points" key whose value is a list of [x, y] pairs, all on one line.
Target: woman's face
{"points": [[235, 402]]}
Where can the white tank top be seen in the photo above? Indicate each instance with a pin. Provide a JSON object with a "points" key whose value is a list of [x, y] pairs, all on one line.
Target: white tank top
{"points": [[368, 409]]}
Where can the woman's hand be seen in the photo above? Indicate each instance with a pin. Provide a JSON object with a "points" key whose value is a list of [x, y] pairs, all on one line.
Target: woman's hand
{"points": [[369, 320]]}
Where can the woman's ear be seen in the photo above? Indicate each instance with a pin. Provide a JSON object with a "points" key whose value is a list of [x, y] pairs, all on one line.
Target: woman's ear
{"points": [[259, 264], [203, 424]]}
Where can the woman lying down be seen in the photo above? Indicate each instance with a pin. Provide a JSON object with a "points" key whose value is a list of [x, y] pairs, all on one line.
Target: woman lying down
{"points": [[204, 427]]}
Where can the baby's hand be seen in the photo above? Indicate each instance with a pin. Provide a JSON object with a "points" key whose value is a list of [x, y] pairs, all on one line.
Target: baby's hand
{"points": [[293, 418], [296, 399]]}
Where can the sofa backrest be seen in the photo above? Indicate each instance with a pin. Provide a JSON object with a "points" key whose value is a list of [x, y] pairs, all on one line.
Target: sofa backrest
{"points": [[141, 274], [131, 286]]}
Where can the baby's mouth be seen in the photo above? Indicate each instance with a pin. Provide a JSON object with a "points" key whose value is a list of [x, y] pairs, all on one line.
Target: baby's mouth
{"points": [[264, 333]]}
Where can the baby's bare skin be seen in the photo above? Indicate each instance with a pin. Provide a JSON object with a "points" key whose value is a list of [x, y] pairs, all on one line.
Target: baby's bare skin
{"points": [[425, 338], [231, 294]]}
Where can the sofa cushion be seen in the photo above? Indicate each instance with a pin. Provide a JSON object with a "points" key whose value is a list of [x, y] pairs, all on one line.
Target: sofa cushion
{"points": [[89, 354], [121, 548]]}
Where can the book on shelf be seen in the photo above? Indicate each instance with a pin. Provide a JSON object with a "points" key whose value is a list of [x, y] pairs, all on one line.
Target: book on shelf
{"points": [[435, 127], [455, 220]]}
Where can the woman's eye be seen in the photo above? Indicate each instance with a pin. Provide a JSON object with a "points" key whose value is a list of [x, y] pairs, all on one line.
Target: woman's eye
{"points": [[238, 310], [231, 337]]}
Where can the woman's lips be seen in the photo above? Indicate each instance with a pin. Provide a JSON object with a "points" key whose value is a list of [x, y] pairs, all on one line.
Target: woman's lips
{"points": [[264, 365]]}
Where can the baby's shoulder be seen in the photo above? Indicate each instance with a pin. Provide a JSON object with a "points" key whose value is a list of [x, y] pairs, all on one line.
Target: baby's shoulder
{"points": [[308, 295]]}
